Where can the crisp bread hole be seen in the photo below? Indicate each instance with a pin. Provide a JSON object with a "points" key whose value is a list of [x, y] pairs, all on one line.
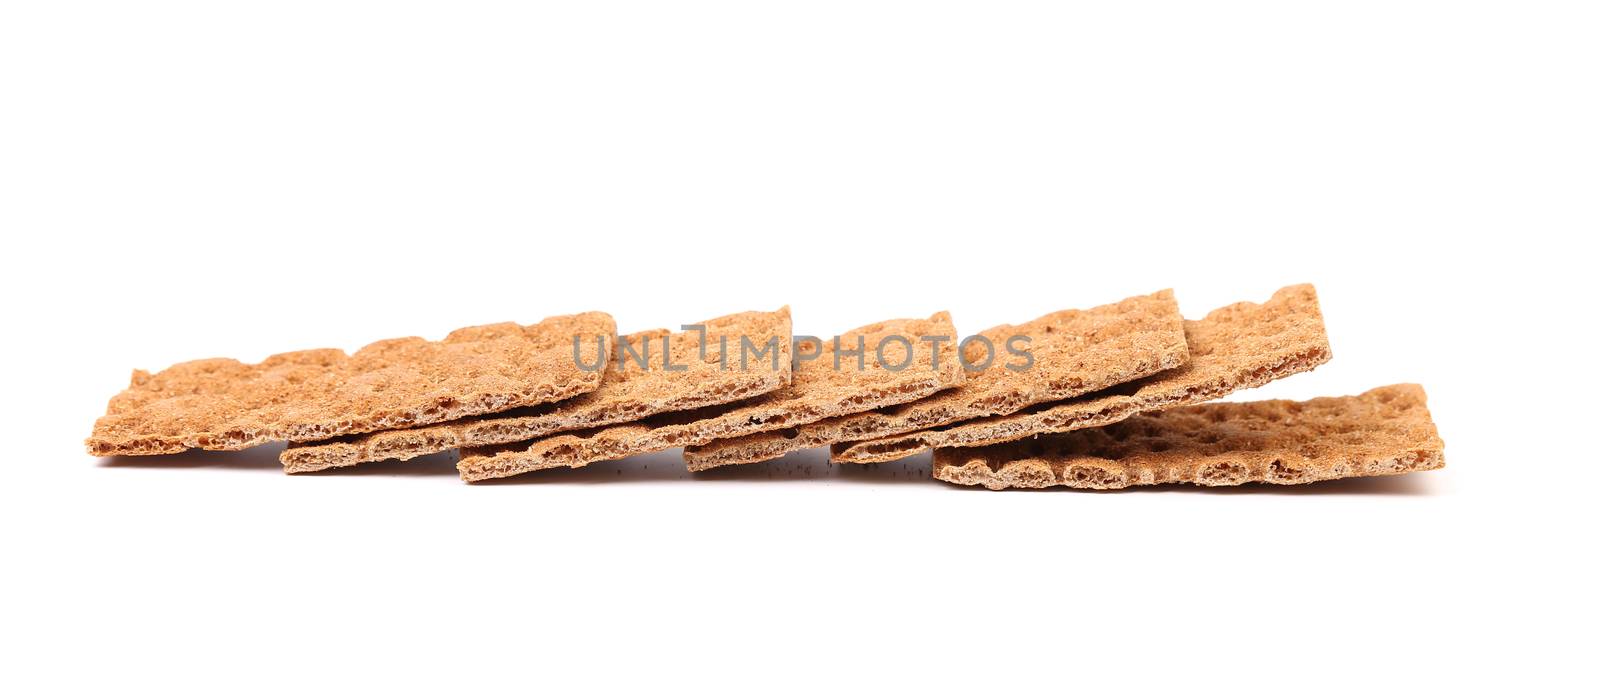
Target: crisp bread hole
{"points": [[1284, 472], [1092, 475], [1034, 478], [1223, 472], [789, 433]]}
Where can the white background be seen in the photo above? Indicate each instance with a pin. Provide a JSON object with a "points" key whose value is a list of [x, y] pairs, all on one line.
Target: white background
{"points": [[186, 180]]}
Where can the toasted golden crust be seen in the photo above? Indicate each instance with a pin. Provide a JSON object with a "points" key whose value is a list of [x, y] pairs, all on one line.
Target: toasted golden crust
{"points": [[1075, 352], [1236, 347], [223, 404], [630, 391], [1385, 431], [818, 391]]}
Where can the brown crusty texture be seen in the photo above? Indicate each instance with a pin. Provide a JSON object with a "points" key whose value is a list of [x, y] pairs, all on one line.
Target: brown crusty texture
{"points": [[1075, 352], [223, 404], [630, 391], [818, 391], [1240, 346], [1384, 431]]}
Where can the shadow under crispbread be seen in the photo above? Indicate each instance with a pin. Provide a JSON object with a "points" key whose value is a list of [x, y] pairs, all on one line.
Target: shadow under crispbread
{"points": [[665, 467]]}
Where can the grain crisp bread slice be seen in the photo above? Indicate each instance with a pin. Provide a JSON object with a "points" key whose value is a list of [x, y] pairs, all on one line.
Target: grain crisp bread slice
{"points": [[1382, 432], [1074, 352], [830, 378], [1240, 346], [639, 381], [223, 404]]}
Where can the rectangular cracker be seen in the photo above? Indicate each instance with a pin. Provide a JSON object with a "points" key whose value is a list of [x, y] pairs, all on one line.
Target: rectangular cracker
{"points": [[1075, 352], [818, 391], [223, 404], [628, 392], [1382, 432], [1240, 346]]}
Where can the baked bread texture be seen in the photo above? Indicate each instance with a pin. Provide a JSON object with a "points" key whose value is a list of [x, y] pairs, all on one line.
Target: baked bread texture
{"points": [[223, 404], [637, 383], [835, 381], [1384, 431]]}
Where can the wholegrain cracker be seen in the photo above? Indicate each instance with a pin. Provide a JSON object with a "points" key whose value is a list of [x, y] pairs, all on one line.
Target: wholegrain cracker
{"points": [[1074, 352], [705, 370], [1385, 431], [223, 404], [834, 382], [1240, 346]]}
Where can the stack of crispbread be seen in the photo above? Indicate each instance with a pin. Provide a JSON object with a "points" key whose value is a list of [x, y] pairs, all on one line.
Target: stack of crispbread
{"points": [[649, 372], [827, 384], [1107, 397]]}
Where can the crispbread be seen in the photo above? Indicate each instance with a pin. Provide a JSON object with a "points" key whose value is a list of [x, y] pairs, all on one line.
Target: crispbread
{"points": [[1384, 431], [223, 404], [1075, 352], [818, 391], [1236, 347], [630, 391]]}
